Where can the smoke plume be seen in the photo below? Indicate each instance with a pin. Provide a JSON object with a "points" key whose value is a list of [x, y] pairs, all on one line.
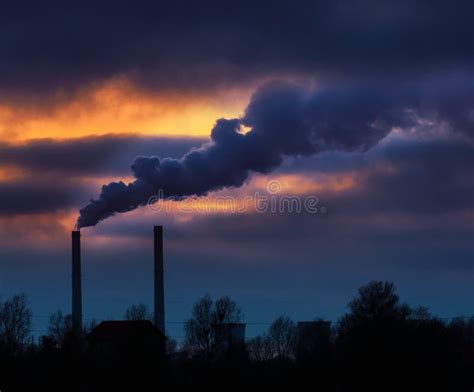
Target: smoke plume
{"points": [[281, 119]]}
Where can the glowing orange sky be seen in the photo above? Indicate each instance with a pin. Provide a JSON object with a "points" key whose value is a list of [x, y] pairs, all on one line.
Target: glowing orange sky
{"points": [[118, 107]]}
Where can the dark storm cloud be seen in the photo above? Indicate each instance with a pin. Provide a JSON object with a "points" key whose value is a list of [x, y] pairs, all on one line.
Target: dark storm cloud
{"points": [[423, 178], [163, 44], [434, 177], [409, 176], [91, 155]]}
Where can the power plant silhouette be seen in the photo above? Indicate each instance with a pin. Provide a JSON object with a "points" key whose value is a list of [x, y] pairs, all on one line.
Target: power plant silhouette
{"points": [[159, 295], [308, 330]]}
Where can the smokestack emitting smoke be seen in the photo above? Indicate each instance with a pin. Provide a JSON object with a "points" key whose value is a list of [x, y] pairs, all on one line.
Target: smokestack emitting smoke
{"points": [[159, 311], [76, 281], [283, 120]]}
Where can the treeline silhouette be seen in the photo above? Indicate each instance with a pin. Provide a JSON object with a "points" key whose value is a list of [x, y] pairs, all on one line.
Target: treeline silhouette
{"points": [[380, 344]]}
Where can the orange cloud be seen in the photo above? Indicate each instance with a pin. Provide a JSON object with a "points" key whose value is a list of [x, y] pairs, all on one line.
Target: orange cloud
{"points": [[301, 184], [118, 107], [38, 230]]}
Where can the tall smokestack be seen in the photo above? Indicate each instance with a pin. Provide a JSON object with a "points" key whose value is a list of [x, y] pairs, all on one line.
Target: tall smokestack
{"points": [[159, 315], [76, 281]]}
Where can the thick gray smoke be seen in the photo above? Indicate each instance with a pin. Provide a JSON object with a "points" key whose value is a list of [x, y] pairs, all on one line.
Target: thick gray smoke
{"points": [[284, 120]]}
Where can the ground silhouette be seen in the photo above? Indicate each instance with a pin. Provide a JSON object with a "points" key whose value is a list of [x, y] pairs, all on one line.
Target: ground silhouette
{"points": [[380, 344]]}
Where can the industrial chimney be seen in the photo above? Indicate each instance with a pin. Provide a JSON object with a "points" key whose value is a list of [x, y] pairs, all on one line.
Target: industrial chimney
{"points": [[159, 315], [76, 281]]}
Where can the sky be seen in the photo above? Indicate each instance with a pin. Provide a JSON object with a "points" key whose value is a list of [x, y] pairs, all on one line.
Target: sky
{"points": [[361, 112]]}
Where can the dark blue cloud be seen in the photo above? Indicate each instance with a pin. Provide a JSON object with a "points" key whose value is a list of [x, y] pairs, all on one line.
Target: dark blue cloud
{"points": [[422, 178], [36, 195], [426, 178], [161, 44], [91, 155]]}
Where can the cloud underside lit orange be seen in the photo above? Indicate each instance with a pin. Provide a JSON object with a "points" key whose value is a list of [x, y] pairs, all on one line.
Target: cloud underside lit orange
{"points": [[118, 107], [52, 228]]}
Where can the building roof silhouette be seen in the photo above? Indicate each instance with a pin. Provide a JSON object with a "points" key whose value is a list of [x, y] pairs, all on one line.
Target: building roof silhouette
{"points": [[123, 329]]}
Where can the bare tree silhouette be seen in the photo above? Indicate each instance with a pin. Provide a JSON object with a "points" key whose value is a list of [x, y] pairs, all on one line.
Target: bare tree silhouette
{"points": [[207, 329], [60, 327], [260, 349], [282, 337], [279, 342], [138, 312], [15, 323]]}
